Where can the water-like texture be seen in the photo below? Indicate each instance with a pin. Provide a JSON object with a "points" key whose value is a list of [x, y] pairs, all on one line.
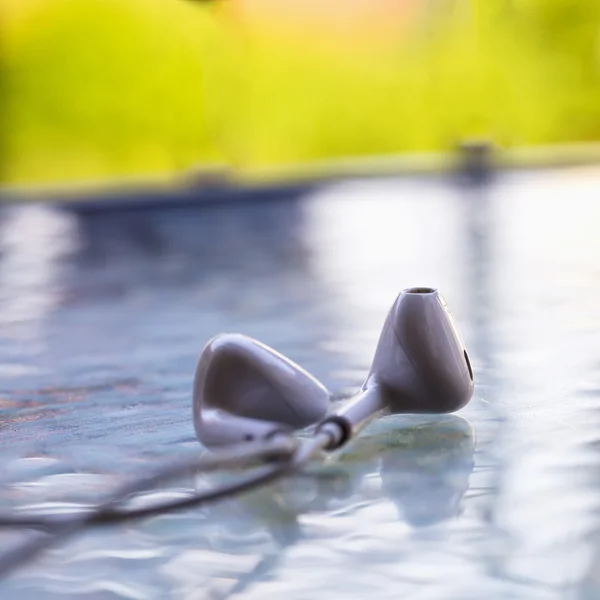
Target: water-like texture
{"points": [[102, 319]]}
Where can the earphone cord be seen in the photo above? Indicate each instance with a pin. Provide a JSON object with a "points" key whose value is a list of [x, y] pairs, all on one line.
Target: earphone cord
{"points": [[288, 454]]}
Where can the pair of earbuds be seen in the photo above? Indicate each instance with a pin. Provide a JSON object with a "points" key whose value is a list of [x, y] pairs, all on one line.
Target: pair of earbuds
{"points": [[249, 396], [246, 391]]}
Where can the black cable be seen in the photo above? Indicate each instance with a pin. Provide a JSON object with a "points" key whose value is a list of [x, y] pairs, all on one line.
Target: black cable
{"points": [[279, 448], [295, 457], [29, 550], [298, 457], [264, 476]]}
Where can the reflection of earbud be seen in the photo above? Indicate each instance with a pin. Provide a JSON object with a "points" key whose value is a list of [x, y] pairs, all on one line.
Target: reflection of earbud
{"points": [[244, 390], [420, 366], [427, 471], [424, 462]]}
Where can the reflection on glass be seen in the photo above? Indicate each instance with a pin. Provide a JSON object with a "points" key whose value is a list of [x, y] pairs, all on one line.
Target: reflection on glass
{"points": [[424, 464]]}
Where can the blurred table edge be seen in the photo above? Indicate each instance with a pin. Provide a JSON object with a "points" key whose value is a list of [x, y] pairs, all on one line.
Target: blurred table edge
{"points": [[474, 161]]}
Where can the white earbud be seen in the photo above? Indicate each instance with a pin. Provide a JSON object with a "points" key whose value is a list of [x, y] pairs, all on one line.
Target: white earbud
{"points": [[244, 390], [420, 366]]}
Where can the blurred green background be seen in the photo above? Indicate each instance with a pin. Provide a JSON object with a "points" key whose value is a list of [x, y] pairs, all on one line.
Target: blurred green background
{"points": [[98, 89]]}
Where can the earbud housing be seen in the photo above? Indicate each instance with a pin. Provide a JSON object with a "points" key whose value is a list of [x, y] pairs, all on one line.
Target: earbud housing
{"points": [[244, 390], [420, 361], [420, 364]]}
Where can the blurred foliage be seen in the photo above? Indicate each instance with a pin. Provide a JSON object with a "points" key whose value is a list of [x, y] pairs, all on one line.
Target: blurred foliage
{"points": [[102, 88]]}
